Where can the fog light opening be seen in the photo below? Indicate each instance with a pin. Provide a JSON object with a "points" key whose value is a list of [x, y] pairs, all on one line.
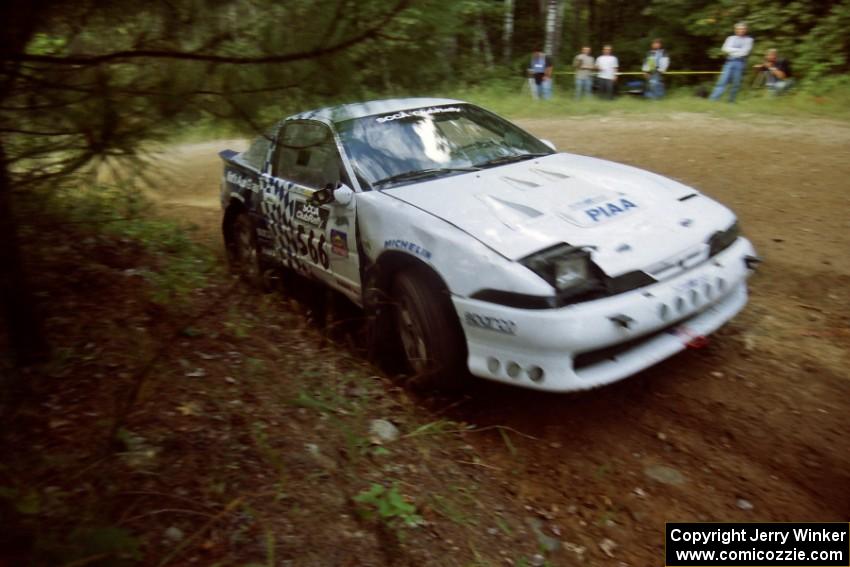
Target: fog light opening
{"points": [[513, 369], [535, 374], [493, 365]]}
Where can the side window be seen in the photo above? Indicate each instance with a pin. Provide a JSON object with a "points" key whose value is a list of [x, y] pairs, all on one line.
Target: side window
{"points": [[255, 156], [306, 154]]}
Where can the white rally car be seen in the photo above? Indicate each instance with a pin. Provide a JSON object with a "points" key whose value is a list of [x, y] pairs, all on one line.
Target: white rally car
{"points": [[469, 242]]}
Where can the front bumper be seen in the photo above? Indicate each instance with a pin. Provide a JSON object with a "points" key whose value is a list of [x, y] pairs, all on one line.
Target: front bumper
{"points": [[598, 342]]}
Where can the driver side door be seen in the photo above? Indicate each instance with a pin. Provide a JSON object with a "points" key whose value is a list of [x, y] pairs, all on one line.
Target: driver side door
{"points": [[320, 238]]}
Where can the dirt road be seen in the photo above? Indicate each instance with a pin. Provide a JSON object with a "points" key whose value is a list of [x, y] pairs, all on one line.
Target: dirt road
{"points": [[753, 428]]}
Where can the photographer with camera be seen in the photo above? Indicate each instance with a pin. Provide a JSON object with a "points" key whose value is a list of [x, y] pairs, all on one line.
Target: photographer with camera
{"points": [[777, 72]]}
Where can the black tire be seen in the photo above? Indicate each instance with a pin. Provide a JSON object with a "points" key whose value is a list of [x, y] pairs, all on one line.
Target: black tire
{"points": [[244, 253], [428, 330]]}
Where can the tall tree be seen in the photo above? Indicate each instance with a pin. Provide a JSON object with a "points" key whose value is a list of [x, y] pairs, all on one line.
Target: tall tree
{"points": [[507, 31], [550, 44], [77, 86]]}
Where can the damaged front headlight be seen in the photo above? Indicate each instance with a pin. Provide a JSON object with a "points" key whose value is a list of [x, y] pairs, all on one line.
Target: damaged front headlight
{"points": [[723, 239], [567, 268]]}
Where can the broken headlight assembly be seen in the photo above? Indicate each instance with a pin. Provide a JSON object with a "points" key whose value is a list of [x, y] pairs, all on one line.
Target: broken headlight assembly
{"points": [[568, 269], [723, 239], [572, 274]]}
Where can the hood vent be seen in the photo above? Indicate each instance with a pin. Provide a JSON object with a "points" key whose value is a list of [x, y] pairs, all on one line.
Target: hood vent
{"points": [[521, 184], [510, 214], [556, 175], [524, 209]]}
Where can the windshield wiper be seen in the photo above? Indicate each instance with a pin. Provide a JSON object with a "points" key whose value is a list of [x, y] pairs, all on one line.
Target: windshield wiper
{"points": [[502, 160], [420, 173]]}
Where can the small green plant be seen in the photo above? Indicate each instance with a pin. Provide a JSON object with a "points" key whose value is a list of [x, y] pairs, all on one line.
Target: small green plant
{"points": [[237, 324], [450, 510], [388, 505], [254, 367], [438, 427]]}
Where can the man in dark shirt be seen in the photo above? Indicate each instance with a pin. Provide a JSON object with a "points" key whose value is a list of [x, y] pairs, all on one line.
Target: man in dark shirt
{"points": [[540, 75], [777, 72]]}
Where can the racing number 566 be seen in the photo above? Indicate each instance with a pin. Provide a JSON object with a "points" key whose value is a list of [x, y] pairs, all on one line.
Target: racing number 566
{"points": [[306, 245]]}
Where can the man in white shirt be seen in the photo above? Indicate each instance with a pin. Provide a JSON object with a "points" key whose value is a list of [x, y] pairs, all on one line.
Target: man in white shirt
{"points": [[606, 66], [737, 48]]}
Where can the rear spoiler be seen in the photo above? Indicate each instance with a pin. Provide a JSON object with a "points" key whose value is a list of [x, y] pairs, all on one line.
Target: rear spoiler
{"points": [[228, 155]]}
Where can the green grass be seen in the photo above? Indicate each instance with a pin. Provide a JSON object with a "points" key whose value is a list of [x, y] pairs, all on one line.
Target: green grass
{"points": [[516, 103], [510, 98], [176, 264]]}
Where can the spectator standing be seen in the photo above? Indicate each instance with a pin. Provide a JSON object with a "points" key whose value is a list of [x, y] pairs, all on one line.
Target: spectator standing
{"points": [[654, 66], [777, 72], [737, 48], [583, 63], [606, 66], [540, 75]]}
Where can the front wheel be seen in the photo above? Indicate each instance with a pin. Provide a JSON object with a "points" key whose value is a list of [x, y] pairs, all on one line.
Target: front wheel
{"points": [[244, 252], [431, 339]]}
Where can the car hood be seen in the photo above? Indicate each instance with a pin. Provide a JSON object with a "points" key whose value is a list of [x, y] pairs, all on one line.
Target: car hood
{"points": [[629, 218]]}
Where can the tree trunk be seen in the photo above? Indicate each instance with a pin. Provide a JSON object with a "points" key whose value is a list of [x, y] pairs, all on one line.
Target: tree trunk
{"points": [[593, 24], [25, 335], [508, 32], [486, 50], [579, 27], [551, 27], [559, 29], [26, 339]]}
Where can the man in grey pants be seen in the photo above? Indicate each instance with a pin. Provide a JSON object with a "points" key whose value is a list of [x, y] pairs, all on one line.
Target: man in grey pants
{"points": [[583, 64]]}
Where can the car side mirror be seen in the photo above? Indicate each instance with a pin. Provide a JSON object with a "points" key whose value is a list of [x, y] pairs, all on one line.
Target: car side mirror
{"points": [[550, 144], [344, 195], [322, 196]]}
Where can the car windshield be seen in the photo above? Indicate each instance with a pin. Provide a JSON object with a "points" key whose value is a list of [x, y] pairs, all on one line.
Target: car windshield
{"points": [[415, 144]]}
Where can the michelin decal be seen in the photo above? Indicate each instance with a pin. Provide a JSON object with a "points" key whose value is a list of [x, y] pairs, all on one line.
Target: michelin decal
{"points": [[409, 246]]}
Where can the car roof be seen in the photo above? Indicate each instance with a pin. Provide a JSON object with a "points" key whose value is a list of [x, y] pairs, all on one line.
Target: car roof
{"points": [[343, 112]]}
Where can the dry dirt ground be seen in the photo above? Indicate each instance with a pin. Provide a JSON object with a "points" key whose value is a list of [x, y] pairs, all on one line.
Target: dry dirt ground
{"points": [[248, 441], [762, 414]]}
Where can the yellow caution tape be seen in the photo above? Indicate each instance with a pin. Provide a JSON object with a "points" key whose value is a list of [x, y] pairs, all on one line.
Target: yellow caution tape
{"points": [[642, 73]]}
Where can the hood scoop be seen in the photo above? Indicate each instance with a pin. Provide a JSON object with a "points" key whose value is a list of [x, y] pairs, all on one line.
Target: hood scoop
{"points": [[509, 213], [521, 184], [550, 175], [524, 209]]}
